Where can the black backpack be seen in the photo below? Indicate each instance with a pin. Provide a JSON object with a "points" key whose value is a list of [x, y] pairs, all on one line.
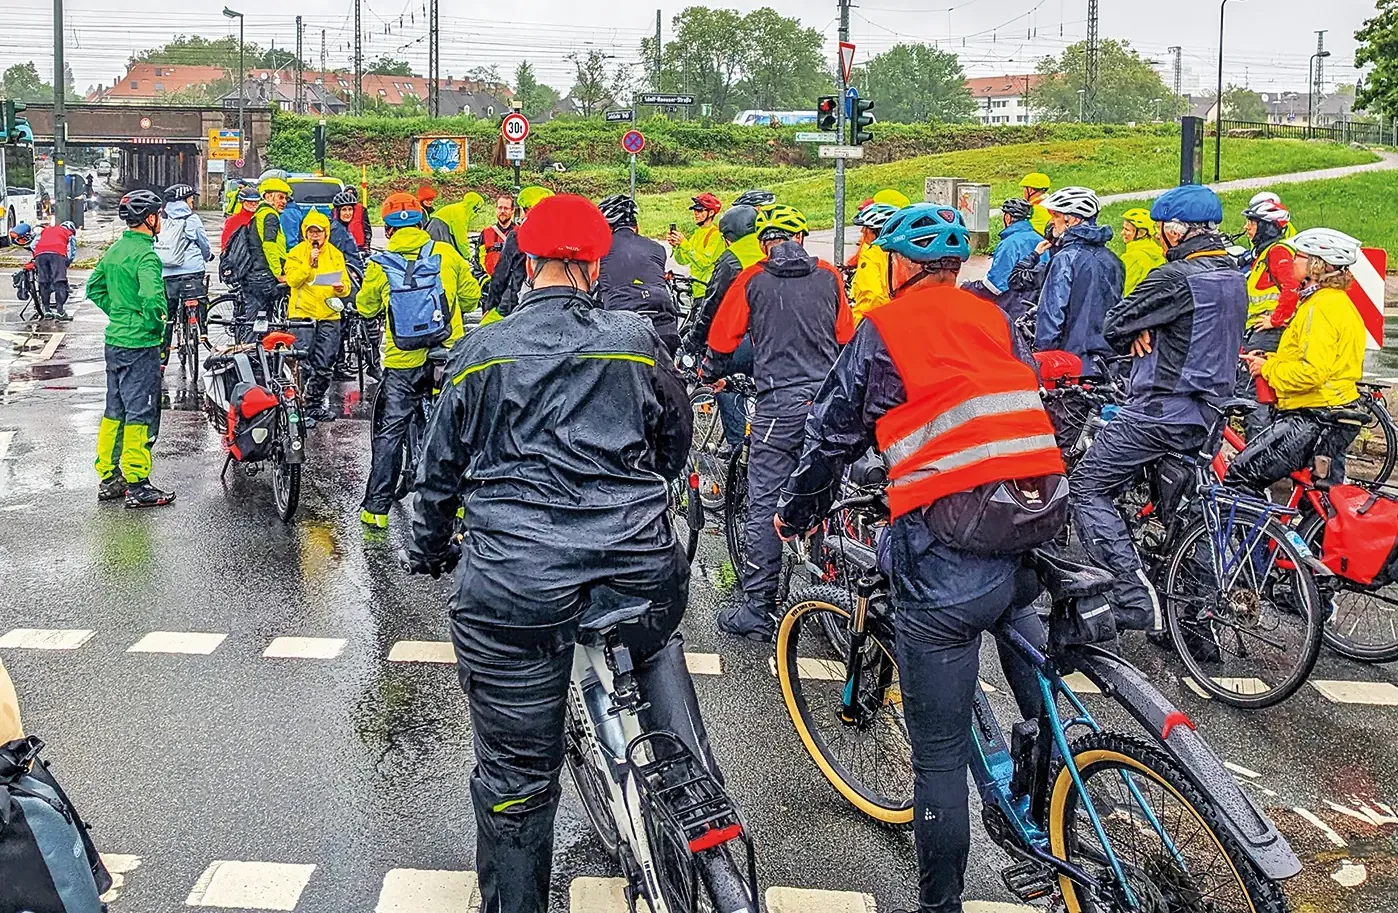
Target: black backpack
{"points": [[241, 256]]}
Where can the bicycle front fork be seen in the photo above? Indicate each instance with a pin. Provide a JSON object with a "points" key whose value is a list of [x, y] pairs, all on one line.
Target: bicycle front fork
{"points": [[850, 710]]}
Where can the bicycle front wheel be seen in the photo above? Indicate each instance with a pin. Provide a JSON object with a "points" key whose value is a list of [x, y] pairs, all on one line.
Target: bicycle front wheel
{"points": [[221, 331], [1243, 609], [735, 510], [1163, 831], [704, 448], [867, 758], [1375, 451]]}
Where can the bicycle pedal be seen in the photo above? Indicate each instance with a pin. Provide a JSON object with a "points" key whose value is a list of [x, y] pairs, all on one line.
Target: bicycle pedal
{"points": [[1029, 880]]}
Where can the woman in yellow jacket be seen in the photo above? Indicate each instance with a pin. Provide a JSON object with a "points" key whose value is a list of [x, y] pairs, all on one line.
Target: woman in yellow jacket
{"points": [[1143, 252], [315, 272], [870, 287], [1315, 369]]}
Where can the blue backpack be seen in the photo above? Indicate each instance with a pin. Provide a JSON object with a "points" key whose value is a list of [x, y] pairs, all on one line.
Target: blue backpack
{"points": [[418, 315]]}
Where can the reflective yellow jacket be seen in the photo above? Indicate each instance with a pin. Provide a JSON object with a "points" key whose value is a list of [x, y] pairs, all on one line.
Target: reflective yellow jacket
{"points": [[870, 287], [699, 252], [1040, 219], [463, 292], [1141, 256], [1321, 355], [308, 299]]}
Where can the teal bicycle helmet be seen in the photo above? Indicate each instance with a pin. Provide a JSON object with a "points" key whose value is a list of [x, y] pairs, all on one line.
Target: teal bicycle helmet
{"points": [[925, 232]]}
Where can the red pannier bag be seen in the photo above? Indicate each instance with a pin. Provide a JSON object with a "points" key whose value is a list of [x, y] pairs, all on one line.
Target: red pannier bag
{"points": [[1056, 366], [1360, 534]]}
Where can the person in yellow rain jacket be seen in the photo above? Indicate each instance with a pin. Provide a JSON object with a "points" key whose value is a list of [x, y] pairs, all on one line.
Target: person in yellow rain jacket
{"points": [[1143, 252], [407, 375], [315, 271], [870, 288], [699, 252], [1036, 186], [1316, 367], [886, 197], [452, 224]]}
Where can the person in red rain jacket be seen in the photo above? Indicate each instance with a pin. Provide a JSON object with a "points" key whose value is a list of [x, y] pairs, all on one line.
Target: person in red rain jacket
{"points": [[247, 205]]}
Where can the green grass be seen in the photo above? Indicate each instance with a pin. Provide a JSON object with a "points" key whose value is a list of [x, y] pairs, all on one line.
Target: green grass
{"points": [[1108, 165], [1361, 205]]}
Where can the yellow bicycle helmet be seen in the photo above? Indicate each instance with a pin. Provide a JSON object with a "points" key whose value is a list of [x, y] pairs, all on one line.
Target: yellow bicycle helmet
{"points": [[891, 197], [529, 197], [1036, 180], [780, 218], [1139, 218], [273, 185]]}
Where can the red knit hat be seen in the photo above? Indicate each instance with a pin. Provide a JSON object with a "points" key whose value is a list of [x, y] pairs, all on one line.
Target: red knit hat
{"points": [[565, 227]]}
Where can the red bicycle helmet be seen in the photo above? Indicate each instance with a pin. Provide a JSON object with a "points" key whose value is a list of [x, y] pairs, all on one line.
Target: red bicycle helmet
{"points": [[706, 201]]}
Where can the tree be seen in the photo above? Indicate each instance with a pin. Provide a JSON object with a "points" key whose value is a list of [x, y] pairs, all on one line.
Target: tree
{"points": [[783, 66], [914, 83], [1378, 47], [194, 49], [1127, 87], [708, 55], [1243, 104], [390, 66], [535, 98], [21, 82], [485, 77], [592, 84]]}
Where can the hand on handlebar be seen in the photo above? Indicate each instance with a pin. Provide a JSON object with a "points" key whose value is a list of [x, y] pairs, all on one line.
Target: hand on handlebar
{"points": [[436, 565]]}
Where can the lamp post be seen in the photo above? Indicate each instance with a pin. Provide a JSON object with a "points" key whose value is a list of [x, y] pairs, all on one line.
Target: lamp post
{"points": [[1218, 99], [61, 203], [1310, 89], [242, 76]]}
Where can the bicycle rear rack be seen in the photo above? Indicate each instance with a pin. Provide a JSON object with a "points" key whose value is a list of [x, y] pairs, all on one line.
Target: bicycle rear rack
{"points": [[687, 812]]}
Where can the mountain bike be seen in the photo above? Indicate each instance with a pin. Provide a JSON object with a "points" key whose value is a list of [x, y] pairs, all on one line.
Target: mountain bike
{"points": [[1107, 821], [659, 812]]}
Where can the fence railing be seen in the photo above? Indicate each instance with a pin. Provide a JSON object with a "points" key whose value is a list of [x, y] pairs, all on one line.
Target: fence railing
{"points": [[1345, 132]]}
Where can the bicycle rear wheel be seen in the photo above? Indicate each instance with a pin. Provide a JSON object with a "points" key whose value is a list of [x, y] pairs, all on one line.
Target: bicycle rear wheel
{"points": [[867, 759], [1251, 638], [220, 321], [704, 454], [1163, 830], [735, 509], [1361, 622]]}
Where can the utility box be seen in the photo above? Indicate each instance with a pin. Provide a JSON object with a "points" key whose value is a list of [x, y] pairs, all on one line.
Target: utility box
{"points": [[1191, 150], [973, 202], [940, 190]]}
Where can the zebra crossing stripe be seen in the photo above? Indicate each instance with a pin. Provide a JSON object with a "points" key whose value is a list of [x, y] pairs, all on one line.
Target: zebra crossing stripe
{"points": [[250, 885], [429, 891]]}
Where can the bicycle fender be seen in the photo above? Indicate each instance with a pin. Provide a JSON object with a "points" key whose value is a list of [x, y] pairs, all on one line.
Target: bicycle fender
{"points": [[1246, 823]]}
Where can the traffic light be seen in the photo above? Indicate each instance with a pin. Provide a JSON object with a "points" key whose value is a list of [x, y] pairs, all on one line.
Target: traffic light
{"points": [[863, 119], [320, 144], [12, 132], [827, 113]]}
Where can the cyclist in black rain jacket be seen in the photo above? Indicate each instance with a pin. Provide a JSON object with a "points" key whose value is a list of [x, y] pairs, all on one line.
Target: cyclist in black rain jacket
{"points": [[633, 273]]}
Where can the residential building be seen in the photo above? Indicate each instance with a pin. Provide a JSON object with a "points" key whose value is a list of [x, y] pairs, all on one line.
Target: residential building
{"points": [[1287, 108], [274, 89], [145, 83], [1004, 99]]}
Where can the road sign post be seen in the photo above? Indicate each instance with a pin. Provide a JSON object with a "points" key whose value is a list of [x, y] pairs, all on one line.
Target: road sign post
{"points": [[633, 142], [1366, 291], [515, 130]]}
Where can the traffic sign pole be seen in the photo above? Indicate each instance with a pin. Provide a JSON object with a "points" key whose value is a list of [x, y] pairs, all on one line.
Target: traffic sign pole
{"points": [[633, 141], [845, 49]]}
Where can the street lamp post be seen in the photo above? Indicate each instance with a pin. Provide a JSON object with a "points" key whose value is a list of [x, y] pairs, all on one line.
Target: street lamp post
{"points": [[242, 76], [1310, 89], [1218, 99]]}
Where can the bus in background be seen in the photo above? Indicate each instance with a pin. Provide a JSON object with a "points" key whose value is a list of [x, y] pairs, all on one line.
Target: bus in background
{"points": [[774, 118], [19, 196]]}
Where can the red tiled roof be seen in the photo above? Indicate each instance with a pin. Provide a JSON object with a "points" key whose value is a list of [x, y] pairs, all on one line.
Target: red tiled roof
{"points": [[1002, 86], [141, 79]]}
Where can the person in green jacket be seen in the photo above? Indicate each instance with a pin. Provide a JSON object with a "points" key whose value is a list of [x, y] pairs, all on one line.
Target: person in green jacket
{"points": [[701, 250], [451, 224], [1143, 252], [128, 287]]}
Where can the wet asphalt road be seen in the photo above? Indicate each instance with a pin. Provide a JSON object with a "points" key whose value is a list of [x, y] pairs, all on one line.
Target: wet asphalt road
{"points": [[358, 765]]}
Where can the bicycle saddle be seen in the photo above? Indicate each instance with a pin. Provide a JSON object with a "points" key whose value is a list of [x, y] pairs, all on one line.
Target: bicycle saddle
{"points": [[1065, 579], [605, 614], [1238, 407]]}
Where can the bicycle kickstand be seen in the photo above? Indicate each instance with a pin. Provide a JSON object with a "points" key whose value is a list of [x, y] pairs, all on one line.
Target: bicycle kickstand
{"points": [[227, 461]]}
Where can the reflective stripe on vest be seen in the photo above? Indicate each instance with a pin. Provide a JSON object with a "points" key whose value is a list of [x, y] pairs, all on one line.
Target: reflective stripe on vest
{"points": [[958, 415], [1261, 300], [976, 454]]}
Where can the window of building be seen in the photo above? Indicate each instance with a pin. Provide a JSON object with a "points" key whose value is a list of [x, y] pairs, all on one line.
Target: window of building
{"points": [[1023, 119], [160, 86]]}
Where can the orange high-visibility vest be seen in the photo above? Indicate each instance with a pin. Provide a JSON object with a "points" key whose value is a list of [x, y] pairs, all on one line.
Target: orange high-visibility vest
{"points": [[973, 413]]}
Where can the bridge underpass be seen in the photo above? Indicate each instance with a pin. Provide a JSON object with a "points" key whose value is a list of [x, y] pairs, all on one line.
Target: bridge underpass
{"points": [[160, 145]]}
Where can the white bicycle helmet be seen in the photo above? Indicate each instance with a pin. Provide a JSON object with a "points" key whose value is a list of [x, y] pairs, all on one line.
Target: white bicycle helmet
{"points": [[1073, 201], [1267, 211], [1334, 247], [875, 216], [1265, 196]]}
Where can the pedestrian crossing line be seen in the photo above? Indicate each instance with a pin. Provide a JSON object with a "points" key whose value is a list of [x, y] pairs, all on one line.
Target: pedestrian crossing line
{"points": [[250, 885], [597, 895], [305, 648], [808, 900], [429, 891], [1382, 694], [5, 438], [422, 651], [998, 906], [194, 643], [46, 638], [703, 663]]}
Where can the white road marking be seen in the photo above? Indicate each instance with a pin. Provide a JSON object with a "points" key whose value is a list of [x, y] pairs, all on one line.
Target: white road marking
{"points": [[305, 648], [597, 895], [190, 642], [1320, 825], [1382, 694], [119, 865], [1081, 684], [5, 438], [46, 638], [998, 906], [422, 651], [1350, 874], [704, 663], [1241, 770], [1349, 812], [250, 885], [805, 900], [429, 891]]}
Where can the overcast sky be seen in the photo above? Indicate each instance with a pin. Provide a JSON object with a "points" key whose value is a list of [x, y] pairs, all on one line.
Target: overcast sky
{"points": [[1268, 43]]}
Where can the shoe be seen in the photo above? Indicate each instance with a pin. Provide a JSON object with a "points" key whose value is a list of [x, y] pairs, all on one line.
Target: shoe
{"points": [[740, 621], [112, 488], [379, 521], [374, 371], [144, 494], [342, 372], [320, 414], [62, 315]]}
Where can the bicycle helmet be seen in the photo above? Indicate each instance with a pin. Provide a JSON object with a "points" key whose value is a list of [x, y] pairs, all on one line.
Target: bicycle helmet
{"points": [[778, 221], [1265, 196], [1267, 211], [737, 222], [706, 201], [530, 197], [620, 211], [248, 194], [1017, 209], [926, 232], [347, 197], [139, 205], [401, 210], [1334, 247], [1073, 201], [273, 185], [891, 197], [179, 192], [874, 216], [1191, 204], [68, 225], [1036, 180], [1139, 218], [755, 198], [565, 227]]}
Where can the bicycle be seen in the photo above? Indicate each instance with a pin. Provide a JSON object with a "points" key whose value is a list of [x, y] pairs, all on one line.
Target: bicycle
{"points": [[190, 295], [411, 447], [659, 812], [1075, 815]]}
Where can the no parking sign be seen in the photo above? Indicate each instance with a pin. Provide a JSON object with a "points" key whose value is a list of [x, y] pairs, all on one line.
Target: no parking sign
{"points": [[633, 142]]}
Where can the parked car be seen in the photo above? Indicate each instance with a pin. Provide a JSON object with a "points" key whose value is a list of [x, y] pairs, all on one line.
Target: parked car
{"points": [[104, 168]]}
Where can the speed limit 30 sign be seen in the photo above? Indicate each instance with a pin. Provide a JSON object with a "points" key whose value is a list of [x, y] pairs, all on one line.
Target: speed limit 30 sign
{"points": [[515, 127]]}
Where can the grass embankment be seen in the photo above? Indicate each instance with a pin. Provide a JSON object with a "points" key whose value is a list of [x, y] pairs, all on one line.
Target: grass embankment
{"points": [[1108, 165]]}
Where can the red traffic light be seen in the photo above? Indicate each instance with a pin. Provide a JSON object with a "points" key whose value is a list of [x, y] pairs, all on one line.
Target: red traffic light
{"points": [[828, 104]]}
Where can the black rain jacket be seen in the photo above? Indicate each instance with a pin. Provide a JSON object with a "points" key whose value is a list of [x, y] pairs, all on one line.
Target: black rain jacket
{"points": [[633, 279]]}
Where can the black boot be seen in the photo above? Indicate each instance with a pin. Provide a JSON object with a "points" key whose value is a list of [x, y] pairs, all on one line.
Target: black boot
{"points": [[112, 488], [144, 494]]}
